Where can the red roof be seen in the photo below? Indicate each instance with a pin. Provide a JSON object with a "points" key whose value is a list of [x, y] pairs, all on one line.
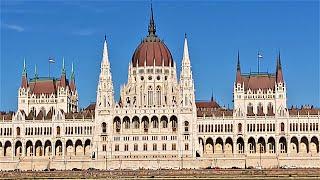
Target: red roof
{"points": [[258, 81], [152, 51]]}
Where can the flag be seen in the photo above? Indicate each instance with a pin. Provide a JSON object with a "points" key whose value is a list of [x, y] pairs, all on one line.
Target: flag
{"points": [[51, 60], [260, 55]]}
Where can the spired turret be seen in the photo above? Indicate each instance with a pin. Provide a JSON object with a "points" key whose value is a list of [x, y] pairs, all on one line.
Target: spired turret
{"points": [[186, 80], [105, 93]]}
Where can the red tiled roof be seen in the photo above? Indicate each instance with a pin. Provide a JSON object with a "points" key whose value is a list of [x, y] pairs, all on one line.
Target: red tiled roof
{"points": [[258, 81], [150, 51], [207, 104]]}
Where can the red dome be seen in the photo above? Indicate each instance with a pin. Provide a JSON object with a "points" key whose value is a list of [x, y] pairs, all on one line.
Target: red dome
{"points": [[150, 50]]}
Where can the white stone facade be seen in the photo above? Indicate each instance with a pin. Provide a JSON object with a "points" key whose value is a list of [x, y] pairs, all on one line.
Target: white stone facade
{"points": [[158, 124]]}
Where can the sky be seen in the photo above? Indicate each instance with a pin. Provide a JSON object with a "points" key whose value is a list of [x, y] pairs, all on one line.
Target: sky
{"points": [[216, 30]]}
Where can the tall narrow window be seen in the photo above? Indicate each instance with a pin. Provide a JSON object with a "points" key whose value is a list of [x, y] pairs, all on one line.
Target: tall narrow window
{"points": [[158, 90], [150, 96]]}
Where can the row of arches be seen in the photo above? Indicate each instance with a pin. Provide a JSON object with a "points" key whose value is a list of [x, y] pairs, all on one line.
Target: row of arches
{"points": [[145, 123], [260, 145], [70, 148]]}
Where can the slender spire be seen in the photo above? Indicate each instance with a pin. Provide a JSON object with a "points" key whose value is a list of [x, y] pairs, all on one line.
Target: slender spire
{"points": [[238, 63], [212, 98], [238, 75], [152, 26], [24, 72], [279, 61], [24, 80], [105, 54], [63, 67], [72, 72], [185, 49], [279, 74], [35, 71]]}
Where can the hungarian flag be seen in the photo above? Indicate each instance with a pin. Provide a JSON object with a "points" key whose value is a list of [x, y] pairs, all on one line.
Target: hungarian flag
{"points": [[51, 60]]}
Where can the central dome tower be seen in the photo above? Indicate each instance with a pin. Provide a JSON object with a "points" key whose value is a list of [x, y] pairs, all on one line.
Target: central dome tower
{"points": [[152, 51]]}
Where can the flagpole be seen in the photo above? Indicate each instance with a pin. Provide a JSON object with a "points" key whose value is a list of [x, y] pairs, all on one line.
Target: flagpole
{"points": [[258, 61], [49, 67]]}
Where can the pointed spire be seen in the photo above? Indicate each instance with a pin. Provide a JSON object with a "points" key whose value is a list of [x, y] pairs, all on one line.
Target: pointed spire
{"points": [[72, 80], [152, 26], [105, 55], [35, 71], [72, 72], [279, 74], [238, 63], [212, 98], [24, 80], [185, 49], [63, 67], [24, 72], [238, 75]]}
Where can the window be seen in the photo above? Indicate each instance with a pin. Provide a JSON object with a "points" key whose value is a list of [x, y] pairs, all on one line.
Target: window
{"points": [[150, 96], [164, 147], [126, 147], [18, 131], [104, 127], [145, 147], [135, 147], [239, 128], [154, 147], [116, 147], [186, 126], [282, 127], [174, 147], [186, 147], [158, 95]]}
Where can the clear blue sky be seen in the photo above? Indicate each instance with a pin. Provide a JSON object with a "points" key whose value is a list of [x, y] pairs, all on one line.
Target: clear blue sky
{"points": [[216, 30]]}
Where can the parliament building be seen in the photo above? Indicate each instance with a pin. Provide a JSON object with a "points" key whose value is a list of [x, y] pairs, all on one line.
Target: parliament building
{"points": [[157, 122]]}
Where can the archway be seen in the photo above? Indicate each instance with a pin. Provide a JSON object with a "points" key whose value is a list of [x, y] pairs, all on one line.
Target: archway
{"points": [[7, 149], [69, 148], [240, 145], [18, 148], [47, 148], [314, 145], [126, 122], [78, 151], [209, 146], [136, 122], [87, 147], [271, 145], [174, 122], [164, 122], [145, 123], [252, 145], [117, 124], [283, 145], [29, 148], [261, 145], [228, 146], [294, 145], [304, 145], [155, 122], [218, 148], [58, 148], [38, 148]]}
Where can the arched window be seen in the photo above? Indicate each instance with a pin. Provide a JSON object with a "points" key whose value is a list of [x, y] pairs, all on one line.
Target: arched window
{"points": [[150, 96], [186, 126], [43, 110], [155, 122], [270, 109], [135, 147], [259, 109], [154, 147], [158, 95], [58, 130], [239, 128], [250, 109], [282, 127], [18, 131], [104, 127], [145, 147]]}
